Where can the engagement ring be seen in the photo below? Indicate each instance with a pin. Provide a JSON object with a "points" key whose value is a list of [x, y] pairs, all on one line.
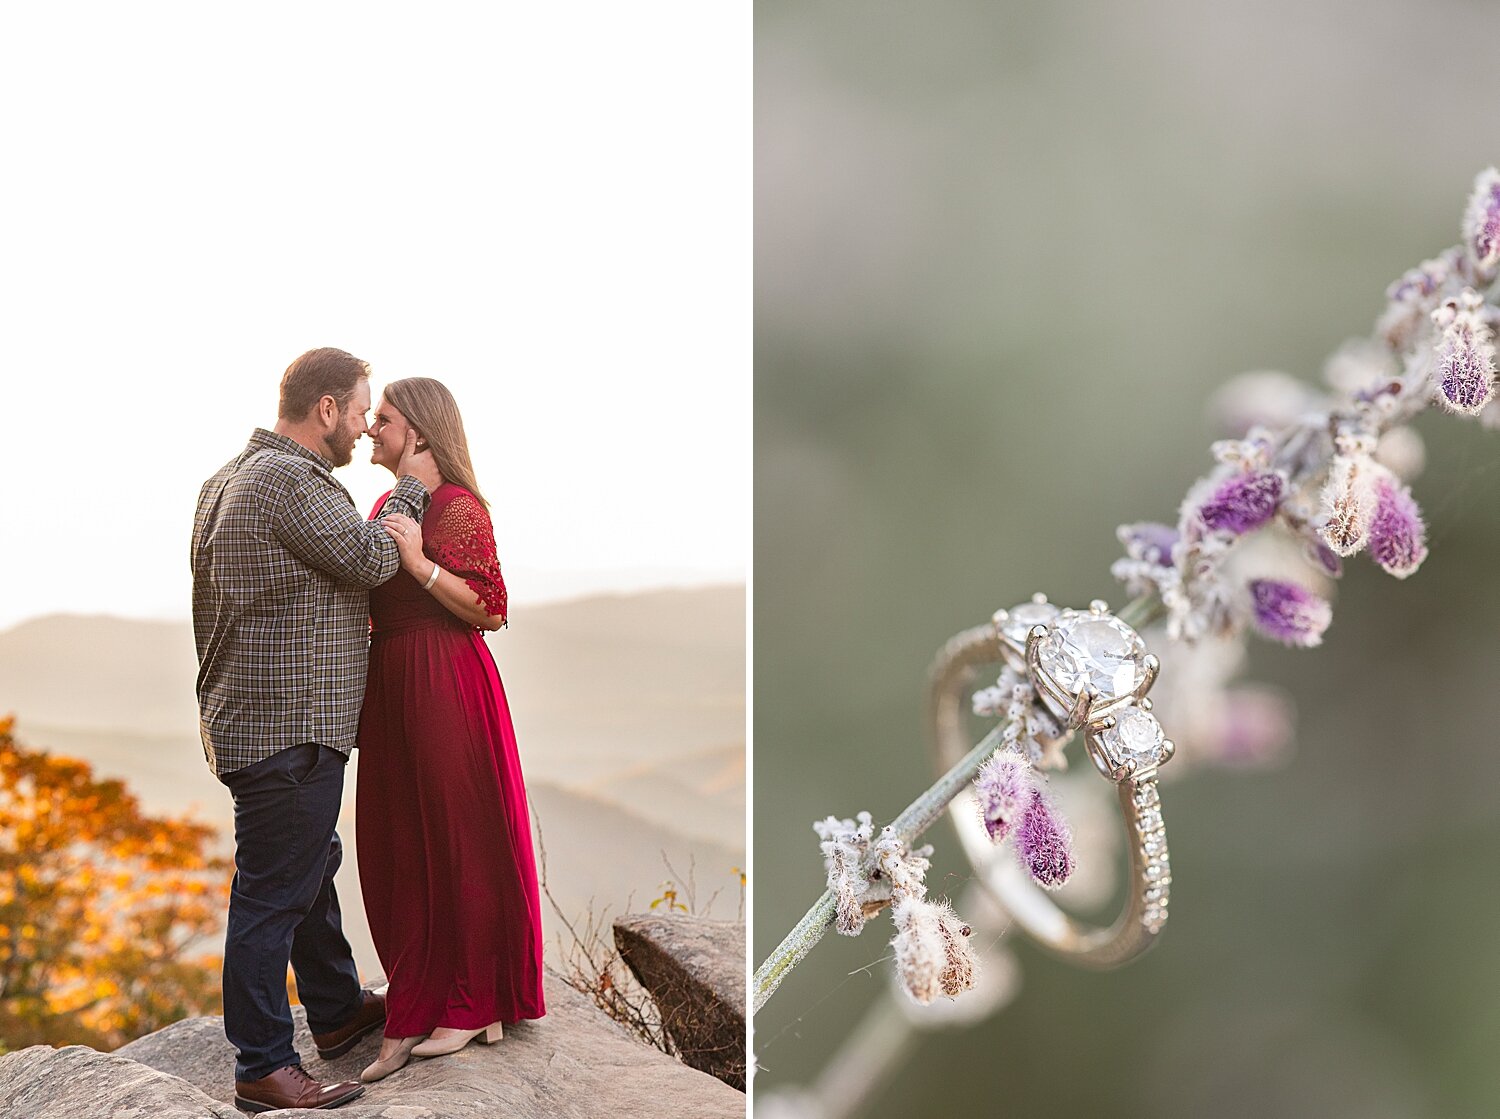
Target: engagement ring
{"points": [[1092, 672]]}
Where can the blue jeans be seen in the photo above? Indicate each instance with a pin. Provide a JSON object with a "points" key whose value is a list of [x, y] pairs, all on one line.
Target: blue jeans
{"points": [[283, 908]]}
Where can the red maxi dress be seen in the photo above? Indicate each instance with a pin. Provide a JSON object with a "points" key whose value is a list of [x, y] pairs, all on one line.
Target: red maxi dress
{"points": [[444, 836]]}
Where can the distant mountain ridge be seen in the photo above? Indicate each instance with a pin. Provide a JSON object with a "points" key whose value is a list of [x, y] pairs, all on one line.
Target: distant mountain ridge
{"points": [[599, 688], [629, 713], [687, 646]]}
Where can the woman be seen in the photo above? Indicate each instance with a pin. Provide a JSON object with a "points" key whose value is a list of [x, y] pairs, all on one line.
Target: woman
{"points": [[444, 837]]}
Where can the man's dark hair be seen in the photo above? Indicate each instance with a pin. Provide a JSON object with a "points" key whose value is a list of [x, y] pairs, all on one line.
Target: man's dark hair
{"points": [[316, 374]]}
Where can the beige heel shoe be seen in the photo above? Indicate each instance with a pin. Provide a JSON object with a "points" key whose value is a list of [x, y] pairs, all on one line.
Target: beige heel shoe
{"points": [[442, 1046], [381, 1069]]}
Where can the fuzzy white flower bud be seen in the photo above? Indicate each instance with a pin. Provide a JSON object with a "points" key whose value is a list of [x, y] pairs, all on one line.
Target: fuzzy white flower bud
{"points": [[1348, 497], [933, 953], [991, 701], [845, 845], [903, 867]]}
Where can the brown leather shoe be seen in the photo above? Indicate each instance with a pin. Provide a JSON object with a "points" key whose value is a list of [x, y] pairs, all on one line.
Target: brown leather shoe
{"points": [[369, 1016], [292, 1087]]}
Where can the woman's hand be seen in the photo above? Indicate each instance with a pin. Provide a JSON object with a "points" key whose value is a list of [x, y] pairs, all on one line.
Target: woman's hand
{"points": [[408, 536]]}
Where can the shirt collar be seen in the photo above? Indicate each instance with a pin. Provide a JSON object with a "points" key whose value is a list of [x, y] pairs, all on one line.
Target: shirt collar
{"points": [[263, 440]]}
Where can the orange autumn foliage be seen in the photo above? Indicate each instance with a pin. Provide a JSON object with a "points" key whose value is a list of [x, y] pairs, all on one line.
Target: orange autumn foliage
{"points": [[104, 910]]}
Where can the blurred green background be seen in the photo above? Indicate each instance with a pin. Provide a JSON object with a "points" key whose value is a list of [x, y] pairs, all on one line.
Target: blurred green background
{"points": [[1004, 255]]}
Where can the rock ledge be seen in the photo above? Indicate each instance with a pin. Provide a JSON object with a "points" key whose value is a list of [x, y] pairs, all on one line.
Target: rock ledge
{"points": [[574, 1063], [694, 968]]}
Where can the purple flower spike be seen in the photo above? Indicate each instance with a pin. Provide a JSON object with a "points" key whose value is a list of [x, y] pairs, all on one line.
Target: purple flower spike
{"points": [[1398, 538], [1465, 374], [1465, 366], [1289, 613], [1044, 843], [1004, 788], [1411, 298], [1419, 283], [1243, 502], [1482, 223], [1149, 541], [1325, 557]]}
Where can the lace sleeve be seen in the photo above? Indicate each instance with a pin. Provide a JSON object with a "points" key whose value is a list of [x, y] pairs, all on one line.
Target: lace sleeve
{"points": [[462, 541]]}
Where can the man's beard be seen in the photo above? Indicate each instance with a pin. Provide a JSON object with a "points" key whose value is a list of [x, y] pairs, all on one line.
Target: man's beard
{"points": [[340, 445]]}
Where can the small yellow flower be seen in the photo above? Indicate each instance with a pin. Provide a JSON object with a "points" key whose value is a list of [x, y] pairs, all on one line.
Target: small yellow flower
{"points": [[669, 897]]}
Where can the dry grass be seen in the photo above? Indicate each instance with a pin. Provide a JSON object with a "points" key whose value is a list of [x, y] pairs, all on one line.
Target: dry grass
{"points": [[588, 961]]}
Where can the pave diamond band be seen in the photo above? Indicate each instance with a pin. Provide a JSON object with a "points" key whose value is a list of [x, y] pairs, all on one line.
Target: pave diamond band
{"points": [[1092, 671], [1150, 849]]}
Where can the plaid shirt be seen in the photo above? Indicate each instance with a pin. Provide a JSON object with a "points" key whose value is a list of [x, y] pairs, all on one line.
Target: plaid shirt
{"points": [[282, 562]]}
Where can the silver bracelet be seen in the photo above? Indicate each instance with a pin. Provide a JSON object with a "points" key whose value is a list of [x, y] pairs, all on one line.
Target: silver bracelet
{"points": [[431, 579]]}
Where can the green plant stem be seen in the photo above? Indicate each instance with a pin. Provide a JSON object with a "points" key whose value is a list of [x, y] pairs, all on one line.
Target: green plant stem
{"points": [[919, 815]]}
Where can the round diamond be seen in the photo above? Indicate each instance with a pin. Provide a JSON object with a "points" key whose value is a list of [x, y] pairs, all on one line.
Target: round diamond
{"points": [[1094, 651], [1020, 619], [1136, 734]]}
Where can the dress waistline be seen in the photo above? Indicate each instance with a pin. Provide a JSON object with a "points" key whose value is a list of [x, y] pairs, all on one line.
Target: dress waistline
{"points": [[413, 625]]}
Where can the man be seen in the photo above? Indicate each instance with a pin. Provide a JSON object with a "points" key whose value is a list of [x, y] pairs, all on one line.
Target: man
{"points": [[282, 562]]}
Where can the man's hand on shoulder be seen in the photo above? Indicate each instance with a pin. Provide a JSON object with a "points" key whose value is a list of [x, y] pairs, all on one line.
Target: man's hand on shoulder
{"points": [[420, 465]]}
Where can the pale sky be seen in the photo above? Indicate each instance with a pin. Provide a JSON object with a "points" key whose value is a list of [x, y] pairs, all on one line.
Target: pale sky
{"points": [[547, 207]]}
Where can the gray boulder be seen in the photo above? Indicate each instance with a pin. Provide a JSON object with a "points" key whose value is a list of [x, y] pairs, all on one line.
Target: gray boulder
{"points": [[78, 1082], [695, 970]]}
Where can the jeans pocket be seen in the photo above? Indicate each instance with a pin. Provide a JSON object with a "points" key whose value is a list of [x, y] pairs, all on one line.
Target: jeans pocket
{"points": [[302, 760]]}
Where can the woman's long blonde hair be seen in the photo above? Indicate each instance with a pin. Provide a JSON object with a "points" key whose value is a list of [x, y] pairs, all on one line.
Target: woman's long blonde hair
{"points": [[430, 408]]}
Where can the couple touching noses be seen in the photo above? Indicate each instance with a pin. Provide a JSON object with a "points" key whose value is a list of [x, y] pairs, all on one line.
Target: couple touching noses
{"points": [[319, 630]]}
